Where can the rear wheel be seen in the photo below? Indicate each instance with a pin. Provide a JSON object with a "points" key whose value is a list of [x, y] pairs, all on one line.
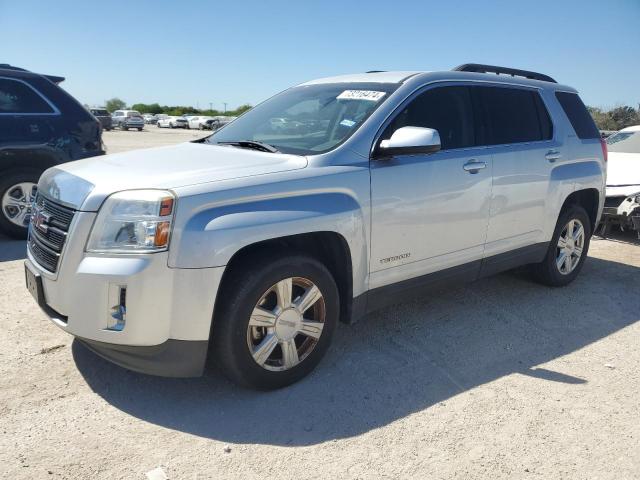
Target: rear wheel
{"points": [[567, 250], [276, 321], [17, 192]]}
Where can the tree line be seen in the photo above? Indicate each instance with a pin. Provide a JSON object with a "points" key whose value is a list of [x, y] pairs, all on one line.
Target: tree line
{"points": [[617, 118], [114, 104]]}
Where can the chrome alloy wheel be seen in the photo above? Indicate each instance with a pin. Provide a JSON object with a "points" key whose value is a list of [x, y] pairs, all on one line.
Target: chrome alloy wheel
{"points": [[286, 324], [16, 203], [570, 247]]}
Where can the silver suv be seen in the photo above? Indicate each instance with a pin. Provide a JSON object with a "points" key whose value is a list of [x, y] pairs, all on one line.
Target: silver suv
{"points": [[126, 119], [325, 202]]}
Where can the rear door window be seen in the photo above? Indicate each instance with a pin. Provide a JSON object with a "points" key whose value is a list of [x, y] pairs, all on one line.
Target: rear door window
{"points": [[578, 115], [19, 98], [513, 115], [449, 110]]}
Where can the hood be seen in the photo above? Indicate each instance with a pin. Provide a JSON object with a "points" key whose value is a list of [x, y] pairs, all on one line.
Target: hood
{"points": [[164, 168], [623, 173]]}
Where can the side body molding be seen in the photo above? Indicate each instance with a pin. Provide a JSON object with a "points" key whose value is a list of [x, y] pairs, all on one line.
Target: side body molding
{"points": [[214, 232]]}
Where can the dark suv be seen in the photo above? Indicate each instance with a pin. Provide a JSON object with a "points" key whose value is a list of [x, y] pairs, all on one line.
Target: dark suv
{"points": [[40, 126], [103, 116]]}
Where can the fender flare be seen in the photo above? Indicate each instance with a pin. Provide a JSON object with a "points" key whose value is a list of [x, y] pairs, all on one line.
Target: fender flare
{"points": [[215, 233]]}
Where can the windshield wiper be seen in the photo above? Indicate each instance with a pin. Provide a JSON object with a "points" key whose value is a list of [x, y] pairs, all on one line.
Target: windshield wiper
{"points": [[263, 147]]}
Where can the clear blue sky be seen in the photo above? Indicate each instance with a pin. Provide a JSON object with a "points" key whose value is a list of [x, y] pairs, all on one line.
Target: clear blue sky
{"points": [[196, 51]]}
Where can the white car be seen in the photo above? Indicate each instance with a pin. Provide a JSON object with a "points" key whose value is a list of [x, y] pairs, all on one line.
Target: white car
{"points": [[622, 203], [197, 122], [167, 122]]}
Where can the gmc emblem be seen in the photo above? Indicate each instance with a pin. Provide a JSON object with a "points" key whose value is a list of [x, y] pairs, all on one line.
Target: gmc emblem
{"points": [[39, 219]]}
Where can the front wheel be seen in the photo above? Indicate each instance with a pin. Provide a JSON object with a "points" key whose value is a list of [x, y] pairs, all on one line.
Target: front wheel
{"points": [[276, 320], [567, 250], [17, 192]]}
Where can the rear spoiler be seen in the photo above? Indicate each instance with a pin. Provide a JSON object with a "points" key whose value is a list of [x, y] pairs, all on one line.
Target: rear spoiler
{"points": [[55, 79], [52, 78]]}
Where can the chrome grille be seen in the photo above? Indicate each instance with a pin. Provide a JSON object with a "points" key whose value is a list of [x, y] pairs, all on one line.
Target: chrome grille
{"points": [[48, 230]]}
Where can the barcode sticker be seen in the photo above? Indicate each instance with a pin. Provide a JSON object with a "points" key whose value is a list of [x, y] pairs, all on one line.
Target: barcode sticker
{"points": [[369, 95]]}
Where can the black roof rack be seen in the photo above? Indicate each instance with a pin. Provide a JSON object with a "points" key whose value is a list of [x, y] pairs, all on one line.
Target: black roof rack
{"points": [[54, 78], [375, 71], [514, 72]]}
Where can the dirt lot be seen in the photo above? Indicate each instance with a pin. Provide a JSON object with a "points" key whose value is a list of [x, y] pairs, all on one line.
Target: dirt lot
{"points": [[501, 379]]}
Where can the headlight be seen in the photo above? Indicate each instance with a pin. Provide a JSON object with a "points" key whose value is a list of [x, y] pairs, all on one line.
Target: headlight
{"points": [[134, 221]]}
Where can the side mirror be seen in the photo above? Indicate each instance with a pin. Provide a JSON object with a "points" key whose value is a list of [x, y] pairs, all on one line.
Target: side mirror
{"points": [[410, 141]]}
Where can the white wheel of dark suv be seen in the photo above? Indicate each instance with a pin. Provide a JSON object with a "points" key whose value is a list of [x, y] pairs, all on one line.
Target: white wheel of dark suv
{"points": [[17, 192], [276, 320]]}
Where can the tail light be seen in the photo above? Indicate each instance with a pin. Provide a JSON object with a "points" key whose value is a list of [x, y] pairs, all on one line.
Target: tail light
{"points": [[603, 144]]}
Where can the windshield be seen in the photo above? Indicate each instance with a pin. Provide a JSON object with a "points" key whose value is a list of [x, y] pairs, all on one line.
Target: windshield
{"points": [[624, 142], [309, 119]]}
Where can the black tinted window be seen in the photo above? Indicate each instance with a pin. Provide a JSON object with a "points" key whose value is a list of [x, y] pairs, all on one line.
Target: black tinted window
{"points": [[513, 116], [447, 109], [17, 97], [578, 115]]}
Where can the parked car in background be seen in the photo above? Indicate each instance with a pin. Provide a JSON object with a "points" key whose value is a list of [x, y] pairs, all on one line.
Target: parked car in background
{"points": [[167, 121], [41, 125], [607, 133], [126, 119], [103, 117], [622, 203], [182, 122], [196, 121], [251, 246], [216, 123], [149, 119]]}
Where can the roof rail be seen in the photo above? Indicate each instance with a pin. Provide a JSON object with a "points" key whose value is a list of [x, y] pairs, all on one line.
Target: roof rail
{"points": [[375, 71], [54, 78], [514, 72]]}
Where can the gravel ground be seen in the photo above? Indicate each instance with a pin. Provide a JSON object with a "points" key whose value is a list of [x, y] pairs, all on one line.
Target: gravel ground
{"points": [[501, 379]]}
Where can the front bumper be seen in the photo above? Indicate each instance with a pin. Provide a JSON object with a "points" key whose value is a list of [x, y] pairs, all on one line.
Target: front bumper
{"points": [[173, 358], [622, 211], [168, 310]]}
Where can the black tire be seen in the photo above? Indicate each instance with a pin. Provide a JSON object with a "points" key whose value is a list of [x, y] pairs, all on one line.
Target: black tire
{"points": [[171, 125], [547, 271], [241, 292], [139, 129], [6, 182], [124, 128]]}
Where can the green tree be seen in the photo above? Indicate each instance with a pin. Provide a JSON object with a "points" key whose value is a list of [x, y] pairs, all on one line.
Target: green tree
{"points": [[153, 108], [624, 116], [114, 104], [603, 119]]}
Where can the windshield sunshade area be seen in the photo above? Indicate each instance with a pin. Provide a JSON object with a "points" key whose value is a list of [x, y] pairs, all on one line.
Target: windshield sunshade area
{"points": [[624, 142], [306, 120]]}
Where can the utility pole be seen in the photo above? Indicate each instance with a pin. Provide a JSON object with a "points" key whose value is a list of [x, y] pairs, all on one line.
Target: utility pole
{"points": [[225, 107], [210, 105]]}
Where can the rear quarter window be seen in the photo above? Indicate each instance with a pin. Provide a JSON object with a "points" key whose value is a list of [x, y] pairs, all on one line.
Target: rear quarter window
{"points": [[514, 116], [578, 115], [17, 97]]}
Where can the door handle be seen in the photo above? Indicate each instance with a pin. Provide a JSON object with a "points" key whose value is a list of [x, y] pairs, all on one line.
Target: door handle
{"points": [[472, 166], [552, 155]]}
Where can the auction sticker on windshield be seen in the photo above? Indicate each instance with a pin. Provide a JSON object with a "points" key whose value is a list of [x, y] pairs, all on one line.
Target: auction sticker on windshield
{"points": [[370, 95]]}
